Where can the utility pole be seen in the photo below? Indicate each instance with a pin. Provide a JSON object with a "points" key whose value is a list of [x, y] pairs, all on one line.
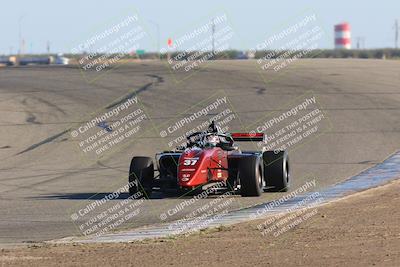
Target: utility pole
{"points": [[212, 36], [20, 35], [158, 40], [360, 42], [158, 36], [396, 33], [48, 47]]}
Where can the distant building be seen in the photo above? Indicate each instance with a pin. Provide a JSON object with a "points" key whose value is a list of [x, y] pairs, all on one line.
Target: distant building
{"points": [[60, 60], [4, 60], [251, 54], [241, 55], [342, 36]]}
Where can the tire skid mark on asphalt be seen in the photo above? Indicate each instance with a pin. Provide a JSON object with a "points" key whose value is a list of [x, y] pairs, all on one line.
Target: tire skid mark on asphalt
{"points": [[143, 88], [374, 176], [130, 95], [43, 142]]}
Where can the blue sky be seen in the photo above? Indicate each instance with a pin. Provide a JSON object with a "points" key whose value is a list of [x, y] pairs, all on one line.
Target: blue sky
{"points": [[60, 22]]}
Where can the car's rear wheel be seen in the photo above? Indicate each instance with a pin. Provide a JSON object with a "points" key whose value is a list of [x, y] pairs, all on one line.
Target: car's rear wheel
{"points": [[276, 170], [141, 176], [250, 176]]}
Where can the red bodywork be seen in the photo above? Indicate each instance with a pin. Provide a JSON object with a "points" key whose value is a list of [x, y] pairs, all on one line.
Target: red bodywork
{"points": [[200, 166]]}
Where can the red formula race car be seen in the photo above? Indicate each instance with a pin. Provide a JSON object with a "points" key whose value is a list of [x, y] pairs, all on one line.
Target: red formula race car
{"points": [[212, 158]]}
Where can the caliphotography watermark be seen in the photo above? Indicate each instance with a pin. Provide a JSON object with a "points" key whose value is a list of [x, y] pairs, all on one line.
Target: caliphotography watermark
{"points": [[108, 213], [110, 45], [299, 122], [105, 132], [190, 50], [300, 38], [198, 119], [187, 203], [202, 216], [281, 217]]}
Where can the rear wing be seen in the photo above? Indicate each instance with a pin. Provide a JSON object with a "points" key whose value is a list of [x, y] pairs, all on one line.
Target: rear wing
{"points": [[247, 137]]}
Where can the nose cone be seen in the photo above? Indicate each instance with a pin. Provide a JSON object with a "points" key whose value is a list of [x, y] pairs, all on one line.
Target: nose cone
{"points": [[191, 169]]}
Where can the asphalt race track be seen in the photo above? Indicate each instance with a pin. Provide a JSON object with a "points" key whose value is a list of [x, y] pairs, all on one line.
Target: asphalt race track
{"points": [[44, 178]]}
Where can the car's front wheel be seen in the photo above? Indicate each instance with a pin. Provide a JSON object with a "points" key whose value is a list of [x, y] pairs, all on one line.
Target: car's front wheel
{"points": [[141, 177]]}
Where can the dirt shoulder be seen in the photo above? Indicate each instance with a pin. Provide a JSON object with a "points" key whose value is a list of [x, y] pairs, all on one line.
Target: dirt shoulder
{"points": [[360, 230]]}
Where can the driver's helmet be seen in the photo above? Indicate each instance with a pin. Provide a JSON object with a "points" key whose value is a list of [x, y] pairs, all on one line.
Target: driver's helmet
{"points": [[212, 140]]}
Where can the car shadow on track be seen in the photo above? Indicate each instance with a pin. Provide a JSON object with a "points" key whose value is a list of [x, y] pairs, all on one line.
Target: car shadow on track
{"points": [[98, 196], [113, 196]]}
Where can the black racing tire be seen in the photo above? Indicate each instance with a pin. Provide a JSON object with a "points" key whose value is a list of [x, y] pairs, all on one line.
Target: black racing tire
{"points": [[276, 170], [250, 176], [142, 171]]}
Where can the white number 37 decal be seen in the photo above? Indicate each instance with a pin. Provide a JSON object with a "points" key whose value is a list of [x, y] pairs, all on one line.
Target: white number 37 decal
{"points": [[190, 162]]}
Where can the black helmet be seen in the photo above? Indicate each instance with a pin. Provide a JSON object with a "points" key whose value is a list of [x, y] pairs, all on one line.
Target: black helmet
{"points": [[213, 128]]}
